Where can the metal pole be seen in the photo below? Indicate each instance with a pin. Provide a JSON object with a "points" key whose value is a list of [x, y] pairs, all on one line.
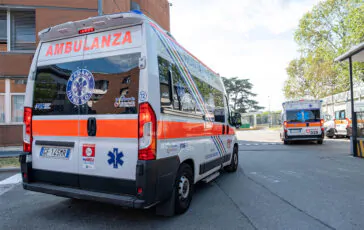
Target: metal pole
{"points": [[353, 115], [99, 7]]}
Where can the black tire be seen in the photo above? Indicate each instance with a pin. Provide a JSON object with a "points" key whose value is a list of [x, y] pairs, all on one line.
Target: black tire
{"points": [[285, 142], [233, 166], [184, 187], [320, 142]]}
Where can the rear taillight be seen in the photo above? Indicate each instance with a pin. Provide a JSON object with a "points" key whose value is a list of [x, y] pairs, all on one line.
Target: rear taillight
{"points": [[147, 132], [285, 126], [27, 144], [348, 125]]}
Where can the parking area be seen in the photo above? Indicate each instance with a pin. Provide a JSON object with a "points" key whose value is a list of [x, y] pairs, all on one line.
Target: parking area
{"points": [[298, 186]]}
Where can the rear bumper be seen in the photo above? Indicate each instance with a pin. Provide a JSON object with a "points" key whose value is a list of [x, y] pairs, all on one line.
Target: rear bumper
{"points": [[123, 200], [305, 138], [155, 179]]}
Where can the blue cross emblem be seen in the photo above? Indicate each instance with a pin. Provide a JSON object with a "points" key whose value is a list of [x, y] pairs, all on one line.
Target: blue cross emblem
{"points": [[115, 158]]}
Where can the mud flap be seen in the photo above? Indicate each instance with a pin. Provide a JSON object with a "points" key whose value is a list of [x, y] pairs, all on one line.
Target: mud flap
{"points": [[167, 208]]}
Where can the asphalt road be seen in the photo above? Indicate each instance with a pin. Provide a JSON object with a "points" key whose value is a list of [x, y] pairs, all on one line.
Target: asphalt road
{"points": [[300, 186]]}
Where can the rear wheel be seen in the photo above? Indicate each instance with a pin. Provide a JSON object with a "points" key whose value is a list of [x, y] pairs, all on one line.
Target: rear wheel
{"points": [[320, 142], [285, 142], [233, 166], [183, 188]]}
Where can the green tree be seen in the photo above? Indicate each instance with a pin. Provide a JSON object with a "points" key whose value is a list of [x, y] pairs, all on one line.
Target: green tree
{"points": [[240, 95], [327, 31]]}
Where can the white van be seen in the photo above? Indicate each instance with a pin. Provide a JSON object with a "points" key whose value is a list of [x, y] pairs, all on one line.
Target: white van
{"points": [[302, 121], [117, 111]]}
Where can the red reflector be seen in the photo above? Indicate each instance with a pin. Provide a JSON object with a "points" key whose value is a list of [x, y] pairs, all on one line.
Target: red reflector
{"points": [[140, 190], [27, 147], [25, 176], [86, 30]]}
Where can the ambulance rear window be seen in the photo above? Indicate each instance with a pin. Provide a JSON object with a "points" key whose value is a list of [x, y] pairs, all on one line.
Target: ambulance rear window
{"points": [[107, 85], [306, 115]]}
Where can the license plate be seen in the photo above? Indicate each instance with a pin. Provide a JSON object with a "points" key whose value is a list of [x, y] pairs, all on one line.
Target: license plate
{"points": [[314, 132], [55, 153], [295, 130]]}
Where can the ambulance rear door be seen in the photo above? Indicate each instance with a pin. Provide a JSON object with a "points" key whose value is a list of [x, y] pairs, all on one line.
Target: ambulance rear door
{"points": [[109, 119]]}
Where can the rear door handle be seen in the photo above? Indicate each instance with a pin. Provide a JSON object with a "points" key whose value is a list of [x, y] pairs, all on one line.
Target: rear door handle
{"points": [[223, 129], [91, 126]]}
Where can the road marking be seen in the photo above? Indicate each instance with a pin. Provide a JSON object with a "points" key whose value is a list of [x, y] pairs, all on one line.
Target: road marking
{"points": [[268, 178], [260, 144], [15, 179], [291, 173]]}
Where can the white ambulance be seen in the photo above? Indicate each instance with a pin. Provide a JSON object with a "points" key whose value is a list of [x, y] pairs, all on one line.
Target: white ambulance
{"points": [[117, 111], [302, 121]]}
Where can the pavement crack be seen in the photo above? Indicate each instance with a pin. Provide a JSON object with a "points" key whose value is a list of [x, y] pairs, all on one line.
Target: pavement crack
{"points": [[236, 206], [289, 203]]}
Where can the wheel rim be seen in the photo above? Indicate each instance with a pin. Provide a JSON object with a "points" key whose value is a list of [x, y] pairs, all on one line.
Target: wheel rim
{"points": [[235, 159], [184, 187]]}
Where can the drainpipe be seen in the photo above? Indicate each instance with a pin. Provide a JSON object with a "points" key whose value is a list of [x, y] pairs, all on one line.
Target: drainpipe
{"points": [[99, 7]]}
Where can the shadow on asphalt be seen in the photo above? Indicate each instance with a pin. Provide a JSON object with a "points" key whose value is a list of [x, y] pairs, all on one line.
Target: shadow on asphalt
{"points": [[101, 213]]}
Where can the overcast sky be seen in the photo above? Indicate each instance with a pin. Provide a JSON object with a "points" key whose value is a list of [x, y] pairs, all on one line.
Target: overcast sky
{"points": [[243, 38]]}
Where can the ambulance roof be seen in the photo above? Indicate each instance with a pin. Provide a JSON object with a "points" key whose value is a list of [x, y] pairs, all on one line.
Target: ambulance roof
{"points": [[302, 104], [102, 23], [98, 23]]}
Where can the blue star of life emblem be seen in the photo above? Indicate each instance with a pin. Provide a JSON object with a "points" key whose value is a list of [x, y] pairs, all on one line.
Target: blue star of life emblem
{"points": [[115, 158], [80, 86]]}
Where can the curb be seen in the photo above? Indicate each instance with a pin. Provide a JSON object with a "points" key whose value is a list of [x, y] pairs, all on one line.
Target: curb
{"points": [[10, 169], [4, 154]]}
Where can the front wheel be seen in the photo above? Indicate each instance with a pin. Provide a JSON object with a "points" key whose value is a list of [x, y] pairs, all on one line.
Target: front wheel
{"points": [[184, 186], [233, 166]]}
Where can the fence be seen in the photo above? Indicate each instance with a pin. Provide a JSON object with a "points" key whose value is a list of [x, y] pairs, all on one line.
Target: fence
{"points": [[262, 119]]}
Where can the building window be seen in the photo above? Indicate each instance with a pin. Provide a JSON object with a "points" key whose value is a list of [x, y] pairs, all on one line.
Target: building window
{"points": [[17, 30], [2, 109], [3, 31], [12, 95], [17, 108]]}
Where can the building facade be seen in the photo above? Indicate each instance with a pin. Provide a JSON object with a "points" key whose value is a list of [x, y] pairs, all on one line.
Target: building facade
{"points": [[20, 22]]}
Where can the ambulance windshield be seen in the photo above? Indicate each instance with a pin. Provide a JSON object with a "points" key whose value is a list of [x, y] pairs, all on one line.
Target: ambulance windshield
{"points": [[303, 115]]}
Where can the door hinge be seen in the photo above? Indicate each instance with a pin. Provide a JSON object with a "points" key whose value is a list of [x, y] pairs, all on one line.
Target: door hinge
{"points": [[142, 62]]}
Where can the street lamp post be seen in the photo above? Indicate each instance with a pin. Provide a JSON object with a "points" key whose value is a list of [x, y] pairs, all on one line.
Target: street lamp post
{"points": [[269, 113]]}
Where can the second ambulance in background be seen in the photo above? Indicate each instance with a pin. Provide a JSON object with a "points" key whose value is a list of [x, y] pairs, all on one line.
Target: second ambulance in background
{"points": [[302, 121]]}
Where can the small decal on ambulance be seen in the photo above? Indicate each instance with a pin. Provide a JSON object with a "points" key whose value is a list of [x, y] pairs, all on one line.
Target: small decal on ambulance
{"points": [[143, 96], [229, 143], [80, 87], [42, 106], [123, 102], [88, 156], [115, 158]]}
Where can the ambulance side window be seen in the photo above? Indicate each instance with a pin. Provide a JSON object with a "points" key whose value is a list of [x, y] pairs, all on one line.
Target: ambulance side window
{"points": [[182, 97], [178, 97], [165, 82]]}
